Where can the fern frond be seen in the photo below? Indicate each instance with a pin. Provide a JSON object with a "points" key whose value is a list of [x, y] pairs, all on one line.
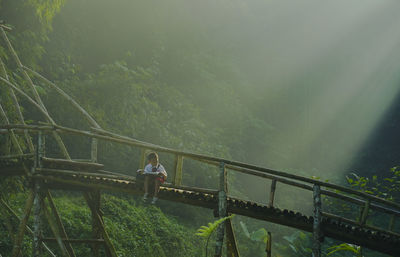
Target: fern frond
{"points": [[205, 231]]}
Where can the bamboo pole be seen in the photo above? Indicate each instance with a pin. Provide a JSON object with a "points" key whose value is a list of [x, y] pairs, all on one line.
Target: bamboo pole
{"points": [[19, 64], [27, 227], [272, 193], [84, 241], [364, 213], [38, 220], [13, 137], [59, 224], [222, 210], [98, 219], [316, 249], [35, 93], [45, 114], [269, 245], [22, 225], [178, 170], [95, 200], [142, 163], [18, 108], [67, 97], [56, 233], [232, 249]]}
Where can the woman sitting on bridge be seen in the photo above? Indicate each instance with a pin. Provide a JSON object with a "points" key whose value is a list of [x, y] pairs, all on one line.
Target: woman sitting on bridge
{"points": [[154, 172]]}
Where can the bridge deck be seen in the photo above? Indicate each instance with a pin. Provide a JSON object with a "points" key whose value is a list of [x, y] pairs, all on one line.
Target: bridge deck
{"points": [[337, 228]]}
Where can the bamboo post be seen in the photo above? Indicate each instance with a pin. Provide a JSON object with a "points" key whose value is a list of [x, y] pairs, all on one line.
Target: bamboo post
{"points": [[97, 216], [177, 181], [8, 144], [95, 199], [35, 93], [364, 212], [392, 222], [93, 150], [272, 193], [142, 158], [56, 233], [18, 108], [232, 249], [38, 200], [269, 245], [316, 250], [222, 206], [38, 220], [22, 225], [59, 224]]}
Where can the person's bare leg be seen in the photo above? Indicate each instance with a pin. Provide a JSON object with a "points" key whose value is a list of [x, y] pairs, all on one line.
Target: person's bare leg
{"points": [[157, 184], [146, 187]]}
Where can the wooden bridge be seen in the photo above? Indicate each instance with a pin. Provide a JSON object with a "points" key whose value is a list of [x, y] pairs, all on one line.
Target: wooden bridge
{"points": [[89, 177]]}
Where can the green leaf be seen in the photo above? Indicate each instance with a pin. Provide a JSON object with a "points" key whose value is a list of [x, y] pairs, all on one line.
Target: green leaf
{"points": [[205, 231], [259, 235], [245, 230]]}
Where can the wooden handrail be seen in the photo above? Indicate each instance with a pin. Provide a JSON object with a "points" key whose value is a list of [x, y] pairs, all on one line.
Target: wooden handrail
{"points": [[233, 165]]}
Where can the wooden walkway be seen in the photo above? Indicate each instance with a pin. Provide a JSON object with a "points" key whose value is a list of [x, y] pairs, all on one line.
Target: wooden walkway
{"points": [[30, 161]]}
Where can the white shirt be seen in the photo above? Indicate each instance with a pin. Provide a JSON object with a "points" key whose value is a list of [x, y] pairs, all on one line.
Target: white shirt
{"points": [[149, 169]]}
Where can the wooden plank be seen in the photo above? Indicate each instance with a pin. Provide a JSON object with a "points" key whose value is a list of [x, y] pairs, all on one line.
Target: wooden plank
{"points": [[22, 225], [71, 164], [37, 220]]}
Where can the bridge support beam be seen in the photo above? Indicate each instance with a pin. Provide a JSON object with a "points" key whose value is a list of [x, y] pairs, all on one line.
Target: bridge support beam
{"points": [[222, 204], [232, 250], [317, 235], [38, 220]]}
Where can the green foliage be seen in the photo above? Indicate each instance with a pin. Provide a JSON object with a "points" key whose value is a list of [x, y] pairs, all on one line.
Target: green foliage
{"points": [[260, 235], [387, 187], [297, 244], [346, 247], [134, 230], [206, 231]]}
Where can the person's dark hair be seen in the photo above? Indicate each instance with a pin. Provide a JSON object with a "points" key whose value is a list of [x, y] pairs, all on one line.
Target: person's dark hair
{"points": [[152, 156]]}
